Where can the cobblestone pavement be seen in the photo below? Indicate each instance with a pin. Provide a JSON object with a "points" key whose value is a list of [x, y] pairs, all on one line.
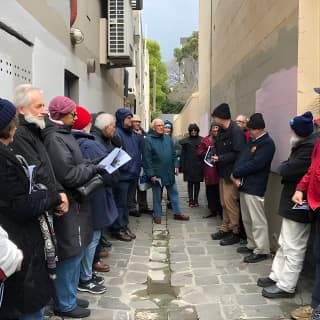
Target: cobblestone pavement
{"points": [[175, 271]]}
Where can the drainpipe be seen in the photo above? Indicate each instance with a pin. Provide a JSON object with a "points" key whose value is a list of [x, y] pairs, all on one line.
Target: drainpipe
{"points": [[73, 11]]}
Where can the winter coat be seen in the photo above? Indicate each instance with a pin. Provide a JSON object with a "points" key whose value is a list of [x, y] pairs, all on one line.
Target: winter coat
{"points": [[190, 164], [73, 229], [30, 289], [109, 143], [292, 170], [229, 143], [103, 207], [132, 144], [28, 143], [253, 165], [159, 157], [210, 173], [310, 182]]}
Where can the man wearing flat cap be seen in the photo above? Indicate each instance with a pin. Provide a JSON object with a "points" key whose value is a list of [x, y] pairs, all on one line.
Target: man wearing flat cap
{"points": [[250, 174]]}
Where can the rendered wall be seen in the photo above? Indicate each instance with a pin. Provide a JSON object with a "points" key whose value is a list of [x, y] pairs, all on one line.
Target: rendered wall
{"points": [[45, 23]]}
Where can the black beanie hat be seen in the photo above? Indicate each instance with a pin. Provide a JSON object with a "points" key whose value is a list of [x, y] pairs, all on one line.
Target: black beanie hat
{"points": [[222, 111], [193, 126], [7, 113], [256, 121], [302, 125]]}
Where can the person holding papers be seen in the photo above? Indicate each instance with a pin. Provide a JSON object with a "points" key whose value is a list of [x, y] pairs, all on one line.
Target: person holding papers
{"points": [[160, 166], [295, 228]]}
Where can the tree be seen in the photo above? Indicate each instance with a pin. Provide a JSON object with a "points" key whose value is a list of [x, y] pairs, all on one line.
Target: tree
{"points": [[156, 66]]}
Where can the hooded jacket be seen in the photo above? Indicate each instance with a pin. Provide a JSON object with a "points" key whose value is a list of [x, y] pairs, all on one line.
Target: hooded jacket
{"points": [[132, 144]]}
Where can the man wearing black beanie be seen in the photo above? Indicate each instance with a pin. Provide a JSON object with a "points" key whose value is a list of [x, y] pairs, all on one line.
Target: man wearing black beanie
{"points": [[229, 143]]}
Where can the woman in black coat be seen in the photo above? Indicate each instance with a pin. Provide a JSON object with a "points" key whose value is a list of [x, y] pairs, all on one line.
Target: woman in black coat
{"points": [[191, 165], [22, 215]]}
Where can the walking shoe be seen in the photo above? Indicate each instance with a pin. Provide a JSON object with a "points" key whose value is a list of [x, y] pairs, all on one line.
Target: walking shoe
{"points": [[130, 233], [219, 235], [169, 205], [97, 279], [101, 267], [275, 292], [121, 235], [302, 313], [255, 257], [181, 216], [157, 220], [91, 287], [134, 213], [191, 204], [265, 282], [230, 239], [244, 250], [77, 312], [82, 303]]}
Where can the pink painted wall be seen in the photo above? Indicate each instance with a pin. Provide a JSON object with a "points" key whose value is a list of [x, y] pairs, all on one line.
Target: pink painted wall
{"points": [[276, 99]]}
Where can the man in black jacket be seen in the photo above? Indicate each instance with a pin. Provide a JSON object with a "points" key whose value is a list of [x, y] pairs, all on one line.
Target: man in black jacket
{"points": [[250, 174], [229, 143], [295, 229]]}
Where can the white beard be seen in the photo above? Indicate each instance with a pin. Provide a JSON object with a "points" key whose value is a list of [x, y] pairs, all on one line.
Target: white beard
{"points": [[33, 119], [294, 140]]}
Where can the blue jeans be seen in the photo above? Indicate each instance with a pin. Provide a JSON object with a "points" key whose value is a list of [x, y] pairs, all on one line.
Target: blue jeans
{"points": [[66, 283], [122, 193], [39, 315], [316, 252], [174, 198], [88, 256]]}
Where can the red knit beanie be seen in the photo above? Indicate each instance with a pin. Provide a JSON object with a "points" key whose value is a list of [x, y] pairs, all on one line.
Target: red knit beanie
{"points": [[84, 118]]}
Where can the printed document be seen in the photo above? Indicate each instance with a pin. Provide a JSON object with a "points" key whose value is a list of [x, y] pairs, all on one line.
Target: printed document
{"points": [[114, 160]]}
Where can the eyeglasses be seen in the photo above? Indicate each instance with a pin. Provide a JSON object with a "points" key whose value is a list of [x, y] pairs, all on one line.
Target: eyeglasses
{"points": [[194, 130], [73, 114]]}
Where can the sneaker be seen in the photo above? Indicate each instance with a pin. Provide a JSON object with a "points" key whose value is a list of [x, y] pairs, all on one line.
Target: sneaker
{"points": [[275, 292], [300, 313], [219, 235], [82, 303], [91, 287], [265, 282], [244, 250], [77, 312], [232, 238], [97, 279]]}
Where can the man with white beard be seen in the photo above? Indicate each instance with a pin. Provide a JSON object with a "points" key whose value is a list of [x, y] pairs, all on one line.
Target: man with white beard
{"points": [[296, 222]]}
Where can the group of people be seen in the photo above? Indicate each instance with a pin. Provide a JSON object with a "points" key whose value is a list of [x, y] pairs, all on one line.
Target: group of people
{"points": [[57, 198], [243, 152], [51, 231]]}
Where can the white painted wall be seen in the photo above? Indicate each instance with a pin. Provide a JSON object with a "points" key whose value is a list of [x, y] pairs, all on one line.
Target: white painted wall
{"points": [[48, 59]]}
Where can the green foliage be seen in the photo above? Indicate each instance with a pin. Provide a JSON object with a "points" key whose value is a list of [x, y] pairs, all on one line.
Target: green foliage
{"points": [[173, 106], [158, 67], [189, 49]]}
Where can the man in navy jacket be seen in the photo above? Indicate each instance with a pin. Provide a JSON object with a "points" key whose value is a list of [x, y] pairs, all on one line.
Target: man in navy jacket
{"points": [[250, 175]]}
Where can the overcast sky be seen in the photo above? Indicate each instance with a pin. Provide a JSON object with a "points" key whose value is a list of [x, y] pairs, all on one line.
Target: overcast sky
{"points": [[167, 20]]}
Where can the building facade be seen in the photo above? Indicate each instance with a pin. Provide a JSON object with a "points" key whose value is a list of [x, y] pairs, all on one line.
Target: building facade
{"points": [[259, 56], [65, 48]]}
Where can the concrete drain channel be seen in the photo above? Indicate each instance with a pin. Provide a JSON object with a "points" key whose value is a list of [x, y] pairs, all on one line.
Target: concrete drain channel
{"points": [[159, 289]]}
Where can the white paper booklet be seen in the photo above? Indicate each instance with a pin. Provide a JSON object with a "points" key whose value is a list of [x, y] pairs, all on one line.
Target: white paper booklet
{"points": [[115, 159]]}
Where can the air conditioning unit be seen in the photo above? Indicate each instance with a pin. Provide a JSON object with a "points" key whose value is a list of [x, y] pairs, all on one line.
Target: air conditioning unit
{"points": [[120, 33], [137, 4]]}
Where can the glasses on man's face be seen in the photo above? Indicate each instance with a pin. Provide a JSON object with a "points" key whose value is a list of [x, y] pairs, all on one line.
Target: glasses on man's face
{"points": [[73, 114]]}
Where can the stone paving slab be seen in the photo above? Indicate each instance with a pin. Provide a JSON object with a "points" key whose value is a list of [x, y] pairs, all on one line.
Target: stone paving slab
{"points": [[174, 271]]}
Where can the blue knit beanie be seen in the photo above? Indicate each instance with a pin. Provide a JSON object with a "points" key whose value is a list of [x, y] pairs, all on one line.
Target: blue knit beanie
{"points": [[302, 125], [7, 113]]}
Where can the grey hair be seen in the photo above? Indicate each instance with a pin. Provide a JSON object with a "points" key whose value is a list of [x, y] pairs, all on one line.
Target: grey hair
{"points": [[104, 120], [22, 95], [154, 122]]}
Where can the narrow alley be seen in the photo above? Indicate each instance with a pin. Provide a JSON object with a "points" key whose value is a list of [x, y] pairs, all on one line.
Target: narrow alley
{"points": [[175, 271]]}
